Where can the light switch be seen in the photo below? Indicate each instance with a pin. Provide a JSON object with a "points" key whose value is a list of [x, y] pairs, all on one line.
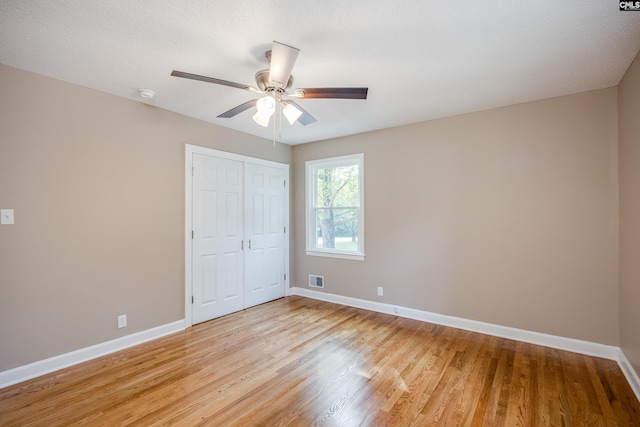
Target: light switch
{"points": [[6, 216]]}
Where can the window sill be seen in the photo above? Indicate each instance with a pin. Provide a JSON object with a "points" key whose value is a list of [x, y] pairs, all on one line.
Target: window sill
{"points": [[352, 256]]}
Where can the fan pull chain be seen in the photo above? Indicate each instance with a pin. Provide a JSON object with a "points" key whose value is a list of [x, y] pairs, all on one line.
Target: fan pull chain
{"points": [[279, 123]]}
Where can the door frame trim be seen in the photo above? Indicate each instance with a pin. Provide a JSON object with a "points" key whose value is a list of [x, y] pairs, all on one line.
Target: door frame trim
{"points": [[190, 150]]}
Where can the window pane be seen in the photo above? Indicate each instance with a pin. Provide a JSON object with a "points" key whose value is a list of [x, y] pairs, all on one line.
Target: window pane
{"points": [[338, 187], [335, 201], [337, 228]]}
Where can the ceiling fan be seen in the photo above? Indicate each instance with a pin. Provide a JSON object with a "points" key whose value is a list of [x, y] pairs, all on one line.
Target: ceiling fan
{"points": [[275, 83]]}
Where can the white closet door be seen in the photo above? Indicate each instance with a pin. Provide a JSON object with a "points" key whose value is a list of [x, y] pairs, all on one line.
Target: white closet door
{"points": [[218, 267], [265, 233]]}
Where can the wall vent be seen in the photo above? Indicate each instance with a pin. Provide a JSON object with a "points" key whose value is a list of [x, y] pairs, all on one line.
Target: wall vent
{"points": [[316, 281]]}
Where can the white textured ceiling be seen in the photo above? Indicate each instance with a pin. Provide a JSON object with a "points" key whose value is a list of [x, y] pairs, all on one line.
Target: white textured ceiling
{"points": [[421, 59]]}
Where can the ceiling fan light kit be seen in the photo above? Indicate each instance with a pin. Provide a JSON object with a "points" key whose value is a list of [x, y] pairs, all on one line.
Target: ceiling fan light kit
{"points": [[262, 119], [290, 112], [266, 107], [276, 83]]}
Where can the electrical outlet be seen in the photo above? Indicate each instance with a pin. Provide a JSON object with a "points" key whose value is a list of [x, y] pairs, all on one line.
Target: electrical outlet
{"points": [[380, 293], [122, 321]]}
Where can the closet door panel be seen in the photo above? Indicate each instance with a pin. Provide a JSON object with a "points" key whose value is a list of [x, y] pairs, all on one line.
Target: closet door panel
{"points": [[218, 229], [265, 233]]}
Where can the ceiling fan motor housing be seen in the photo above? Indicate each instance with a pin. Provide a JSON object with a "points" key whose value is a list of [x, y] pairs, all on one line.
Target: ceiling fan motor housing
{"points": [[262, 80]]}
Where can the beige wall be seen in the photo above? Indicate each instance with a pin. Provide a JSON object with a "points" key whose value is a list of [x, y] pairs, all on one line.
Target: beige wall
{"points": [[629, 128], [507, 216], [97, 184]]}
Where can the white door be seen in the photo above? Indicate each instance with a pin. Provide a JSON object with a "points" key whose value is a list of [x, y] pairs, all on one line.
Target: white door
{"points": [[218, 229], [265, 233]]}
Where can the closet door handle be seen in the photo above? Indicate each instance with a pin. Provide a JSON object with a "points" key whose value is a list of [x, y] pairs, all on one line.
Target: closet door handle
{"points": [[249, 243]]}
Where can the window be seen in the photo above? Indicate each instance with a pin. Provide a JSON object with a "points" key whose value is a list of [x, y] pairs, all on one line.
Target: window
{"points": [[335, 207]]}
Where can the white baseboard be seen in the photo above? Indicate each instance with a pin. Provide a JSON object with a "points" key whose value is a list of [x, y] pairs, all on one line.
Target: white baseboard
{"points": [[553, 341], [32, 370], [629, 373]]}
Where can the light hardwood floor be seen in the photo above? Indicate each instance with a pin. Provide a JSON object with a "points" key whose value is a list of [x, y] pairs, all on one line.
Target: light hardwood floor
{"points": [[302, 362]]}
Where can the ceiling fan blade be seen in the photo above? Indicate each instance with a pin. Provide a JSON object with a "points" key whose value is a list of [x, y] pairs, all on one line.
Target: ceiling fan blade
{"points": [[283, 58], [184, 75], [331, 92], [305, 118], [239, 109]]}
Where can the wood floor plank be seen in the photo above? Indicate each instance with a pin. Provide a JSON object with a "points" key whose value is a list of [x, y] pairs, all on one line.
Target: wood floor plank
{"points": [[302, 362]]}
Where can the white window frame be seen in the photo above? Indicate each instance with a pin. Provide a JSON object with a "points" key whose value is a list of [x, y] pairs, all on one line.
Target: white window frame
{"points": [[311, 169]]}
